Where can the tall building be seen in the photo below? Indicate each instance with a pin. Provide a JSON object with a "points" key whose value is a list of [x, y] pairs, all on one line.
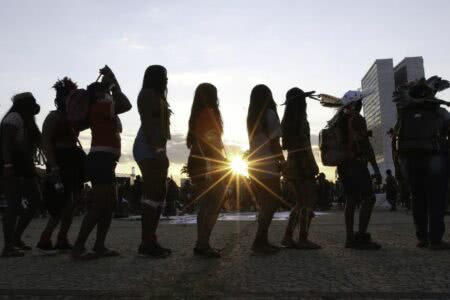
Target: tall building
{"points": [[409, 69], [379, 110]]}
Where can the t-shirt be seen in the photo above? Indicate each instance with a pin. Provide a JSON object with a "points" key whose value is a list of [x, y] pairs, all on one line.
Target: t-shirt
{"points": [[105, 128], [14, 119]]}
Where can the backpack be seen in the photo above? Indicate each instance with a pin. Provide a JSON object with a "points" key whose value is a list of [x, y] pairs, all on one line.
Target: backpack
{"points": [[77, 109], [332, 145], [418, 129]]}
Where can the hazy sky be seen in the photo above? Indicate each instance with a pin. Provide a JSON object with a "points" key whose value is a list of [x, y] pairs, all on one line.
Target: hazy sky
{"points": [[326, 46]]}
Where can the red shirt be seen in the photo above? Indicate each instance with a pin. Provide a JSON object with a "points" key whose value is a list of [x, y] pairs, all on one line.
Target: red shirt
{"points": [[105, 128]]}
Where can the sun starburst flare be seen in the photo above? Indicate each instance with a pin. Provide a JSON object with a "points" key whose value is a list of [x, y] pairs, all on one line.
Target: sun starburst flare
{"points": [[239, 166]]}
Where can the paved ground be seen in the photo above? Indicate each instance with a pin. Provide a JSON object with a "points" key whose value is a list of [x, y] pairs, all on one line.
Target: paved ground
{"points": [[399, 270]]}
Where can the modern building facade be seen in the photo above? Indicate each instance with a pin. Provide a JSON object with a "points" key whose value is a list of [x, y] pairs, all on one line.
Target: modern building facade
{"points": [[380, 112], [409, 69]]}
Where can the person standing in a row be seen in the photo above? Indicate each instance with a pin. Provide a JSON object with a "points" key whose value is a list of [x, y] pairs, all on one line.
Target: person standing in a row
{"points": [[65, 166], [266, 156], [422, 133], [301, 169], [206, 164], [149, 151], [354, 171], [20, 138], [107, 102], [391, 188]]}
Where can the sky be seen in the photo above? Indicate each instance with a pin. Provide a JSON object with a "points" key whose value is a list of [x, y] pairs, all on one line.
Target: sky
{"points": [[321, 45]]}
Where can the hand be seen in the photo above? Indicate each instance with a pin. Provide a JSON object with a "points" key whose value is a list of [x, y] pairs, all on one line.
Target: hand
{"points": [[106, 71], [109, 79]]}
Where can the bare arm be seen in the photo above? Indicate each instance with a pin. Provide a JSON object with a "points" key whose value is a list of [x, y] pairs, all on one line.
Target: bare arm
{"points": [[48, 145], [367, 146], [121, 102]]}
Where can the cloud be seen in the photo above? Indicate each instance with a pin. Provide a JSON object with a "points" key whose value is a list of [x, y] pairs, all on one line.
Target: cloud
{"points": [[131, 43], [177, 150], [190, 79]]}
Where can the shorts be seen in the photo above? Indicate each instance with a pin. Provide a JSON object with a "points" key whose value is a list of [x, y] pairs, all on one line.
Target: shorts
{"points": [[355, 178], [71, 162], [100, 167]]}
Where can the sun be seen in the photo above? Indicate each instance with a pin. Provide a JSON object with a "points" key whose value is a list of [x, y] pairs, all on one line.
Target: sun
{"points": [[239, 166]]}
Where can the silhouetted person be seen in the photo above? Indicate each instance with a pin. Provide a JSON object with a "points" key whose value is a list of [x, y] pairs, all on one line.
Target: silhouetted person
{"points": [[186, 196], [354, 172], [172, 198], [20, 138], [266, 157], [423, 130], [301, 169], [149, 151], [107, 102], [136, 191], [206, 164], [403, 188], [324, 192], [65, 163], [391, 188]]}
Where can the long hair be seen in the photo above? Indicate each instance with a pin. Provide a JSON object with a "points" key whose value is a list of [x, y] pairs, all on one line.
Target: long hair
{"points": [[63, 88], [261, 100], [294, 115], [25, 105], [155, 78], [205, 97]]}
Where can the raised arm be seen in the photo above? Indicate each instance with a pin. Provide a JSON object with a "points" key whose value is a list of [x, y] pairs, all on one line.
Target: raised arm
{"points": [[121, 102]]}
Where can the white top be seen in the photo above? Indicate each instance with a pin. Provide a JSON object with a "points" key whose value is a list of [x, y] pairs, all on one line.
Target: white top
{"points": [[14, 119]]}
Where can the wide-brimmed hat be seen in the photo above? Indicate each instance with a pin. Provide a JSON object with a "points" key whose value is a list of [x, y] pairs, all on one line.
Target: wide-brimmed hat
{"points": [[296, 92], [23, 96], [351, 97]]}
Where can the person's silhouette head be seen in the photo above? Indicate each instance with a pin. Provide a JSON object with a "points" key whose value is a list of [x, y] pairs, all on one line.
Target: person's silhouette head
{"points": [[296, 100], [261, 100], [26, 106], [97, 91], [63, 88], [205, 97], [294, 113], [155, 78]]}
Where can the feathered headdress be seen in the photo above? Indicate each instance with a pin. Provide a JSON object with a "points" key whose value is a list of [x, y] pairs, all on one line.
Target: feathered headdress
{"points": [[64, 86], [421, 91]]}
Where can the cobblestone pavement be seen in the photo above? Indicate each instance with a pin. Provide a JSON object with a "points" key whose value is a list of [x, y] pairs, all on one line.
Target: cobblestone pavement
{"points": [[398, 271]]}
